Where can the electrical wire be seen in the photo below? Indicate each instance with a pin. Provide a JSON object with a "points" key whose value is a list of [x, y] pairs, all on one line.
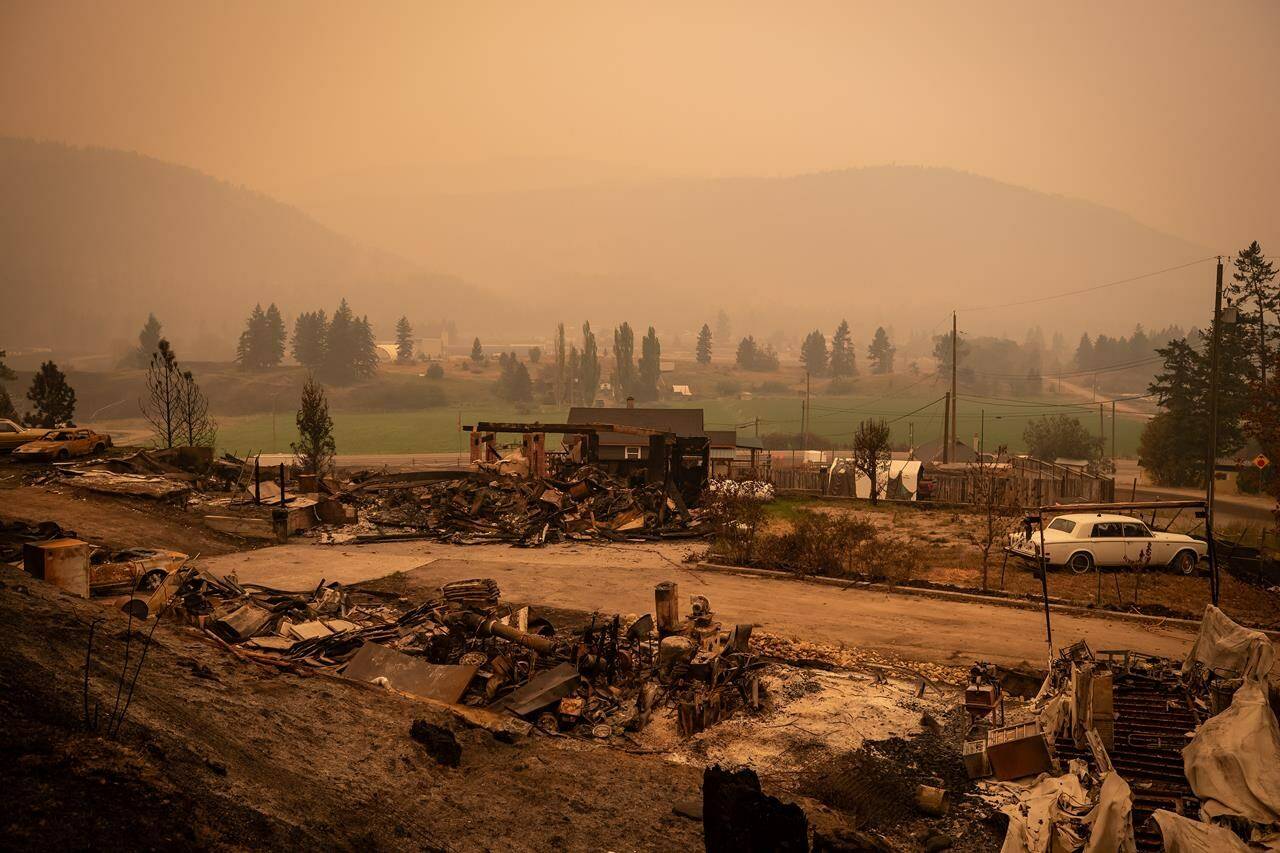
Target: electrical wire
{"points": [[1090, 289]]}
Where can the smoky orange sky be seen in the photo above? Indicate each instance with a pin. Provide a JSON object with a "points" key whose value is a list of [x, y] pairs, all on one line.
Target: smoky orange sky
{"points": [[1165, 110]]}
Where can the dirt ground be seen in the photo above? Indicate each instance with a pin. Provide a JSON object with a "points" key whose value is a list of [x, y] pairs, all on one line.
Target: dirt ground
{"points": [[219, 754], [116, 522], [953, 559]]}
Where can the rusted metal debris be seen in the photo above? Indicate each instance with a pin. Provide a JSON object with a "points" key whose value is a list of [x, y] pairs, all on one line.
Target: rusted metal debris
{"points": [[588, 504], [465, 646]]}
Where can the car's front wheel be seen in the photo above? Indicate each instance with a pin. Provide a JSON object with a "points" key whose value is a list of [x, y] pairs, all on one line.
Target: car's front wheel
{"points": [[64, 454], [1081, 562], [99, 448], [1185, 562]]}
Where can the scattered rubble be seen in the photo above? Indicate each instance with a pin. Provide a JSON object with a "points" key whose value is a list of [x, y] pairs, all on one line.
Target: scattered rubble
{"points": [[588, 504]]}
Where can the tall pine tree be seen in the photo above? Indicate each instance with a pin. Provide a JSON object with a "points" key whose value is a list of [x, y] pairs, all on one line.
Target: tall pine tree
{"points": [[703, 351], [880, 352], [53, 398], [404, 341], [842, 360], [589, 384], [310, 333], [813, 353]]}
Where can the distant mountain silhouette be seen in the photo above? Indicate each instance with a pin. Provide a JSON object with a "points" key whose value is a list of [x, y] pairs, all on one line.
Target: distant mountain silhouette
{"points": [[91, 240], [886, 245]]}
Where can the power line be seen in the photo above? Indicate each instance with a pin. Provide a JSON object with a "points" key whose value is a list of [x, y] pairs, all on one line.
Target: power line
{"points": [[1090, 371], [1091, 288]]}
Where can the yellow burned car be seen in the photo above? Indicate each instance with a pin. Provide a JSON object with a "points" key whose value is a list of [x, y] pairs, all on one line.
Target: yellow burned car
{"points": [[63, 444], [14, 435]]}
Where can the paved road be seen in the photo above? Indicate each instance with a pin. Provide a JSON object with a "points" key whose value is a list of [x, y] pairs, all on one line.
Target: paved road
{"points": [[622, 580]]}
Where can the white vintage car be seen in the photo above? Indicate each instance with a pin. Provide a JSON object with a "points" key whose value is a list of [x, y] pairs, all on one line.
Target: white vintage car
{"points": [[1085, 540]]}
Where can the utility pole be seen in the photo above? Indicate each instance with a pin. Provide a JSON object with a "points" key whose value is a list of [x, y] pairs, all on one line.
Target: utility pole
{"points": [[1102, 429], [946, 429], [1211, 455], [1113, 436], [911, 437], [982, 431], [955, 414], [807, 415]]}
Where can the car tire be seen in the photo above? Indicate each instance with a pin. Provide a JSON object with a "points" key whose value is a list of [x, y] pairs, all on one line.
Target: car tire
{"points": [[1080, 563], [99, 448], [1185, 562], [64, 454]]}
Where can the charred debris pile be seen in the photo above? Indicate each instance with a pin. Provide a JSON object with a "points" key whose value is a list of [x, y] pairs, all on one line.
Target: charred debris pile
{"points": [[500, 665], [586, 503]]}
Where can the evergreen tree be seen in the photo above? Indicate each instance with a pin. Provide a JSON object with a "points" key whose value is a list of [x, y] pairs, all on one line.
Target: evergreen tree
{"points": [[535, 355], [1172, 446], [253, 351], [148, 340], [573, 370], [315, 448], [513, 384], [477, 352], [1084, 353], [650, 367], [364, 364], [589, 384], [842, 361], [813, 353], [753, 356], [724, 329], [273, 349], [942, 352], [881, 352], [404, 341], [340, 344], [704, 345], [1253, 282], [310, 332], [624, 368], [7, 409], [54, 400]]}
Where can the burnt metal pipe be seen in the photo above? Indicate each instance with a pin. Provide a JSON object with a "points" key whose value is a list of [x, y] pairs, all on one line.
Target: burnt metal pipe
{"points": [[486, 627]]}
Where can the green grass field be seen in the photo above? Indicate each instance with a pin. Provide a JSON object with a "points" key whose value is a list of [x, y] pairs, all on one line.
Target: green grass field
{"points": [[436, 430], [365, 423]]}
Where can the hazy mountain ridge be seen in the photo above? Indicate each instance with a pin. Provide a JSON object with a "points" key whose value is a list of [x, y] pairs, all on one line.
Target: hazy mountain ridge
{"points": [[893, 244], [81, 223]]}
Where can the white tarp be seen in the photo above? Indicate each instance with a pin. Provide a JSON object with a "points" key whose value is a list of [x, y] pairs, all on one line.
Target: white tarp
{"points": [[1052, 814], [1224, 646], [1184, 835], [1233, 762], [899, 479]]}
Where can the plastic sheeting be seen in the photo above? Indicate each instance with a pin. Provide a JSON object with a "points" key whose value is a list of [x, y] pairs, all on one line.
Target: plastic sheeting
{"points": [[1224, 646], [1184, 835]]}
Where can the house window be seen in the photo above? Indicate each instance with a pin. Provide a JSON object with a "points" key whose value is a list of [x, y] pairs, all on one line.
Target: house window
{"points": [[632, 453]]}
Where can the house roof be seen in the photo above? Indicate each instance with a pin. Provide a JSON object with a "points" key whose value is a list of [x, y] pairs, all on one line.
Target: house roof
{"points": [[732, 438], [931, 451], [682, 422]]}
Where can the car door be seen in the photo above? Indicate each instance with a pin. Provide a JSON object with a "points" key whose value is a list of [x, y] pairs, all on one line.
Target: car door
{"points": [[1139, 545], [10, 436], [1106, 541]]}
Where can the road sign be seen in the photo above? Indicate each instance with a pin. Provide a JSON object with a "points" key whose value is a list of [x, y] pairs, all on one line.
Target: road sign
{"points": [[1261, 461]]}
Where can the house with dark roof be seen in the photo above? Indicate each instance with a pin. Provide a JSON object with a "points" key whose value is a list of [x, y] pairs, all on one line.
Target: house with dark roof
{"points": [[617, 446], [733, 454]]}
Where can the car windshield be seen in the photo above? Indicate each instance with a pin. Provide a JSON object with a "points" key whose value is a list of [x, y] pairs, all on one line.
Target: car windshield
{"points": [[1063, 524]]}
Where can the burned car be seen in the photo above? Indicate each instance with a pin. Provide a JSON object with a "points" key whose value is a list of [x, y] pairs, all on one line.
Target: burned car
{"points": [[63, 444], [13, 435]]}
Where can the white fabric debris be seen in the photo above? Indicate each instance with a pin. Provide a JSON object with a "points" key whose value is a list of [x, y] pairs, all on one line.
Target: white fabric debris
{"points": [[1112, 818], [1224, 645], [1184, 835], [1233, 762]]}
